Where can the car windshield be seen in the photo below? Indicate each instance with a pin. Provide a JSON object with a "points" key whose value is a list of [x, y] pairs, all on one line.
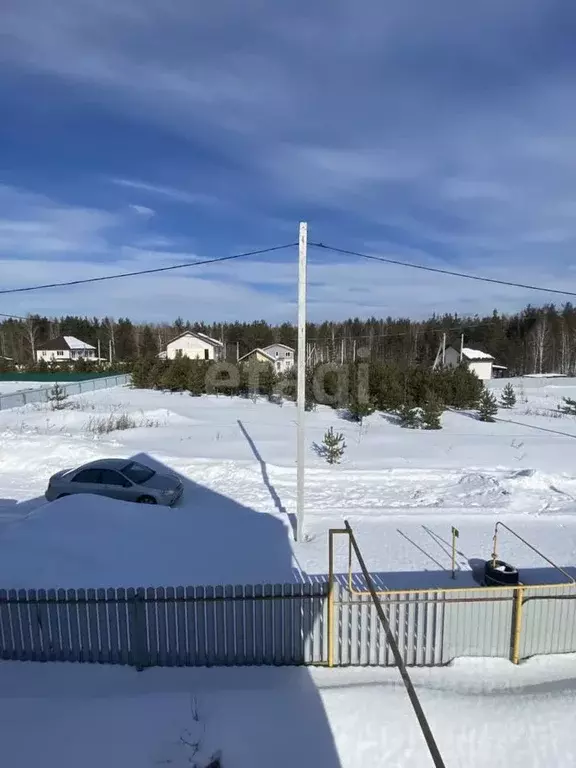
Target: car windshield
{"points": [[138, 473]]}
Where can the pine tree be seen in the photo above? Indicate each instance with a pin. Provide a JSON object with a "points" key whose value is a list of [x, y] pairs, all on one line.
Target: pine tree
{"points": [[195, 378], [333, 446], [176, 376], [409, 416], [432, 413], [57, 397], [569, 406], [142, 373], [359, 408], [488, 407], [508, 399]]}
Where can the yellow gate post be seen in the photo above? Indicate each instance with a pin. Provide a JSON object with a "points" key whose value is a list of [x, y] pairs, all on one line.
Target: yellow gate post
{"points": [[517, 624]]}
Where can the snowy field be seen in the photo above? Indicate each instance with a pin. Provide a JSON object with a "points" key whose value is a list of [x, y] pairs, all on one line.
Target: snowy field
{"points": [[401, 490], [7, 387], [482, 712]]}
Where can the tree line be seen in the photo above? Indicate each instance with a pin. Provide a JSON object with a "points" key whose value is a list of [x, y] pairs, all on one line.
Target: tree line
{"points": [[534, 340]]}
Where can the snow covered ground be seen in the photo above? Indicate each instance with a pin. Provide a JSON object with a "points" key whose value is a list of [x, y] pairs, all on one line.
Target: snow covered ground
{"points": [[482, 712], [401, 490], [7, 387]]}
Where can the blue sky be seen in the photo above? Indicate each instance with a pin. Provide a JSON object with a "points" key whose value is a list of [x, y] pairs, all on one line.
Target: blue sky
{"points": [[139, 133]]}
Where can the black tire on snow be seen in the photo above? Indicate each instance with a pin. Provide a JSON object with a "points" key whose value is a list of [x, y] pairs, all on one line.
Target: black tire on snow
{"points": [[500, 574], [147, 500]]}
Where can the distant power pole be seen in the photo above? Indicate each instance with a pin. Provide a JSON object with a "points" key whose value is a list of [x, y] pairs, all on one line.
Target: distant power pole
{"points": [[110, 350], [443, 349], [99, 351], [461, 347], [237, 351], [301, 385]]}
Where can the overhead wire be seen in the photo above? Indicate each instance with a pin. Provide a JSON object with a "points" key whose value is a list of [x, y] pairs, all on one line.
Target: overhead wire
{"points": [[440, 271], [147, 271]]}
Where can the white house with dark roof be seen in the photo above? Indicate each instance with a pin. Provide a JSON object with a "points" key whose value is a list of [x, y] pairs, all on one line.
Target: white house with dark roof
{"points": [[195, 345], [480, 363], [65, 348]]}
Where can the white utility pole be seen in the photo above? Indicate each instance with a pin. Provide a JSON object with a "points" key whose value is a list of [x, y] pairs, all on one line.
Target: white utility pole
{"points": [[110, 350], [301, 388], [443, 349], [99, 351], [461, 347]]}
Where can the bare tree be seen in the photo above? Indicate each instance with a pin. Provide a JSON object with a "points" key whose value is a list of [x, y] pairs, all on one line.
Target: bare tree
{"points": [[539, 339], [30, 330]]}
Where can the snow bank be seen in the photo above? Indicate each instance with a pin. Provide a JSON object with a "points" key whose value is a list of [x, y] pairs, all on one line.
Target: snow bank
{"points": [[482, 712]]}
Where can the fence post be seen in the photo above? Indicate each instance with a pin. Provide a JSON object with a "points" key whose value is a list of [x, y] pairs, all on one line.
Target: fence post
{"points": [[517, 624], [137, 629]]}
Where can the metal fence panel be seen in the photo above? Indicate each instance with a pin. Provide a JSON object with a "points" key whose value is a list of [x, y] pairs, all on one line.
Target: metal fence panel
{"points": [[480, 627], [40, 395], [548, 621], [276, 624]]}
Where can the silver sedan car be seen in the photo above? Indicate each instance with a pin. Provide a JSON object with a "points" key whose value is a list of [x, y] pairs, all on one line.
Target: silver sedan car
{"points": [[118, 479]]}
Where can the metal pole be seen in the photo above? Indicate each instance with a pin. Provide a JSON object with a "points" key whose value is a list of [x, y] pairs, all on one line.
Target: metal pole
{"points": [[461, 347], [301, 388], [399, 661], [443, 349], [99, 351]]}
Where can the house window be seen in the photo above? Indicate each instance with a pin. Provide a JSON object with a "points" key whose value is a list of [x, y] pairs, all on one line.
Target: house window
{"points": [[288, 354], [206, 354], [276, 353], [60, 352]]}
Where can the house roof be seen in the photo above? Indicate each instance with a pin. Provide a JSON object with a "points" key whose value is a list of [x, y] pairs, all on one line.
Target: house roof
{"points": [[197, 335], [64, 342], [475, 354], [277, 344], [253, 351]]}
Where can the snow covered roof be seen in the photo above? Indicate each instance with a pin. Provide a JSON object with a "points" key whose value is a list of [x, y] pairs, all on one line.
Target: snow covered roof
{"points": [[475, 354], [197, 335], [253, 351], [277, 344], [65, 342]]}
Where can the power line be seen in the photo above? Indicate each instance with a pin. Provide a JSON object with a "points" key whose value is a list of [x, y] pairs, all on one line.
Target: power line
{"points": [[441, 271], [147, 271], [417, 330]]}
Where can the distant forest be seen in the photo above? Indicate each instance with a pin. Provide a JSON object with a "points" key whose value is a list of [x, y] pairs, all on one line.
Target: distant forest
{"points": [[535, 340]]}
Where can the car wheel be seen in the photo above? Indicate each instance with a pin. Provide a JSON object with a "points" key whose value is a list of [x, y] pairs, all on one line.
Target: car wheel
{"points": [[146, 500]]}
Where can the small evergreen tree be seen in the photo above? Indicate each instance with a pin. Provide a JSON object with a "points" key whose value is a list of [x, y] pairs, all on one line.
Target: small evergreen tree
{"points": [[333, 446], [409, 416], [196, 378], [57, 397], [569, 406], [508, 399], [359, 408], [432, 413], [488, 407]]}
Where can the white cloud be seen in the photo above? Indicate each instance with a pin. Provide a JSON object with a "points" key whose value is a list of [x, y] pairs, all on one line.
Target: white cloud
{"points": [[177, 195], [142, 210]]}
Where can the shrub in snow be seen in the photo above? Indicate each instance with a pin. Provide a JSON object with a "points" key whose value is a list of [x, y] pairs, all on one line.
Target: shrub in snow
{"points": [[410, 417], [57, 397], [569, 406], [333, 446], [488, 407], [359, 408], [508, 399], [102, 425], [432, 413]]}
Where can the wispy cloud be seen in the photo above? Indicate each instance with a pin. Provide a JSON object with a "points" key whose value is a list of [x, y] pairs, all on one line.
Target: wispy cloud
{"points": [[176, 195], [416, 124], [142, 210]]}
